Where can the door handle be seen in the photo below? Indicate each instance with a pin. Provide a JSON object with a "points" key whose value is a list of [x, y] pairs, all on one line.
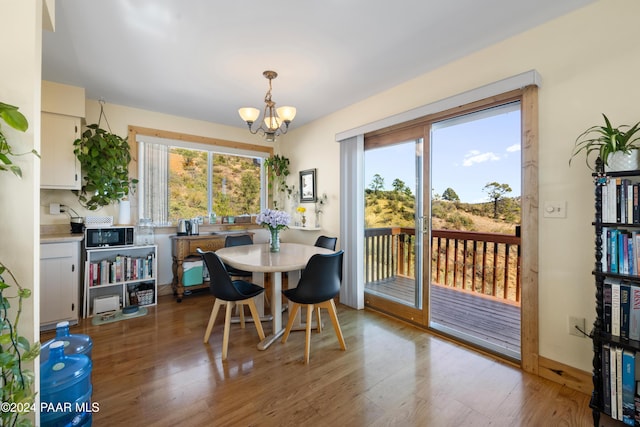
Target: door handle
{"points": [[423, 224]]}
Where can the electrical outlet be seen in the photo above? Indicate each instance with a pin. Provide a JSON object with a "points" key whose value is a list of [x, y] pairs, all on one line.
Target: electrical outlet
{"points": [[576, 323], [54, 208]]}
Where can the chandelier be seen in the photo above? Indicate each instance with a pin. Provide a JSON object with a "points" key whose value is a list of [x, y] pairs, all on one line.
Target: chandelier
{"points": [[274, 117]]}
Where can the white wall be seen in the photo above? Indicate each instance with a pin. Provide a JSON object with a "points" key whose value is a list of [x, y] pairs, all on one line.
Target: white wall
{"points": [[589, 61], [20, 56]]}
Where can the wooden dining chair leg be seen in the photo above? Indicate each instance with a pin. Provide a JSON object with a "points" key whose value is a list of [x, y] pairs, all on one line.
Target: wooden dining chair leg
{"points": [[227, 326], [256, 317], [318, 319], [292, 317], [241, 311], [307, 339], [212, 319], [331, 306]]}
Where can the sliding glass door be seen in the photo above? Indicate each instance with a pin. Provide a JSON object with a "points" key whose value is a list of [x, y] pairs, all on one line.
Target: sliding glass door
{"points": [[474, 290], [393, 241]]}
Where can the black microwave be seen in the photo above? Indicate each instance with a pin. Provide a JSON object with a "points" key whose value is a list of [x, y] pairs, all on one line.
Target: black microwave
{"points": [[108, 237]]}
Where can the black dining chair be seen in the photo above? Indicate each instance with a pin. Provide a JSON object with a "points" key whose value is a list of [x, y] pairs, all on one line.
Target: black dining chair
{"points": [[230, 293], [319, 284], [237, 240], [240, 240], [326, 242]]}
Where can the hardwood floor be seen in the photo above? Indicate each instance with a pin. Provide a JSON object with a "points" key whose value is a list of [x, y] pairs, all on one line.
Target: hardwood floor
{"points": [[155, 371]]}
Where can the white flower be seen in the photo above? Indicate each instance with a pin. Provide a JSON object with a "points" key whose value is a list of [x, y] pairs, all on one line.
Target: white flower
{"points": [[273, 219]]}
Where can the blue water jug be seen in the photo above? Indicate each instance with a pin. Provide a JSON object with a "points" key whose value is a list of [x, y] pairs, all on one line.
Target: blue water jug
{"points": [[73, 343], [65, 386]]}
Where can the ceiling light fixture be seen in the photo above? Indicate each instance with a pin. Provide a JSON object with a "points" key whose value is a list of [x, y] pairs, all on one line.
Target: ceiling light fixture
{"points": [[274, 117]]}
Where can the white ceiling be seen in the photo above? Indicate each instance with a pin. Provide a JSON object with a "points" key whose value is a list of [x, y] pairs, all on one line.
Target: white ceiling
{"points": [[204, 59]]}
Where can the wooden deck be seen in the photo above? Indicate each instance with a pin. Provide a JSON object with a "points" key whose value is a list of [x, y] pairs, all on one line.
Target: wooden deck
{"points": [[470, 317]]}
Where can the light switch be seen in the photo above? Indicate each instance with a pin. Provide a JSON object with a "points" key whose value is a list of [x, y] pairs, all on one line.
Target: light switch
{"points": [[555, 209]]}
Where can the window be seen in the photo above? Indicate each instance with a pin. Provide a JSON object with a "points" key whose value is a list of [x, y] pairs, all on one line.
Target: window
{"points": [[186, 180]]}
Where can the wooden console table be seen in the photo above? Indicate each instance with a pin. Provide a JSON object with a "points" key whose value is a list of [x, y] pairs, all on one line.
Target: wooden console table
{"points": [[184, 246]]}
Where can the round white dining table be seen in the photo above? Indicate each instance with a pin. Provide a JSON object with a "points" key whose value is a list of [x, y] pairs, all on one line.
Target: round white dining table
{"points": [[258, 259]]}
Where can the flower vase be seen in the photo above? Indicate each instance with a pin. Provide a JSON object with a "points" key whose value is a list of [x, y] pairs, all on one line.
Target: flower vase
{"points": [[317, 219], [304, 221], [274, 244]]}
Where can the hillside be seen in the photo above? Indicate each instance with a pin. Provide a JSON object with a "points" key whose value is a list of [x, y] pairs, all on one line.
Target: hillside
{"points": [[389, 208]]}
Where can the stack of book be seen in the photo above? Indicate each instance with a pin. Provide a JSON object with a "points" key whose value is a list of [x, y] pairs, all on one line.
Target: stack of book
{"points": [[120, 269], [620, 201], [620, 251], [621, 383], [621, 303]]}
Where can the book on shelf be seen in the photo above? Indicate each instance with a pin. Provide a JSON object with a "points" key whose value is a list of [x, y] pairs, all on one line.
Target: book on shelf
{"points": [[606, 305], [637, 400], [621, 201], [606, 379], [634, 314], [120, 269], [613, 396], [618, 353], [625, 307], [621, 308], [628, 386], [615, 308]]}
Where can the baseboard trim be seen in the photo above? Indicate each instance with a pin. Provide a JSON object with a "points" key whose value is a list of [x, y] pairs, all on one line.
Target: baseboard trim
{"points": [[165, 289], [571, 377]]}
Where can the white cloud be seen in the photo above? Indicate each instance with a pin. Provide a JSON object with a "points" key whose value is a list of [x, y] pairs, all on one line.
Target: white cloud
{"points": [[474, 156], [513, 148]]}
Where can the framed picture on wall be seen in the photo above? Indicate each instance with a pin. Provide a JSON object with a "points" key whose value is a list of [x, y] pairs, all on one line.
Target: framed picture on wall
{"points": [[308, 186]]}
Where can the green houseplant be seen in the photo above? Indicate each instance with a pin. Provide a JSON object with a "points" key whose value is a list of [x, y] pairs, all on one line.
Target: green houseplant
{"points": [[277, 168], [606, 141], [104, 158], [15, 119], [15, 350]]}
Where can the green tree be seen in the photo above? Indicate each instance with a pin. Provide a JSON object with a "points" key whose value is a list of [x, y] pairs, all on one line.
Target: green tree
{"points": [[496, 192], [450, 195], [377, 184], [398, 185], [250, 192]]}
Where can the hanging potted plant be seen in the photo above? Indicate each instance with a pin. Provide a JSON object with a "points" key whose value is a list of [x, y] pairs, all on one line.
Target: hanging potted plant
{"points": [[277, 168], [15, 350], [617, 147], [104, 158]]}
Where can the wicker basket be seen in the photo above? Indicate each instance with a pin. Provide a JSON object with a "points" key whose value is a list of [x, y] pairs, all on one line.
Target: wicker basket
{"points": [[144, 297]]}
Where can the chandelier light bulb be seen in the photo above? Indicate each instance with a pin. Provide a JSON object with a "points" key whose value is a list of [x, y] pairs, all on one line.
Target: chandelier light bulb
{"points": [[249, 114], [286, 113]]}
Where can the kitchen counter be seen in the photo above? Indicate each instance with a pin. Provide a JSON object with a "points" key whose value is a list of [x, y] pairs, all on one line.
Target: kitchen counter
{"points": [[61, 238], [58, 233]]}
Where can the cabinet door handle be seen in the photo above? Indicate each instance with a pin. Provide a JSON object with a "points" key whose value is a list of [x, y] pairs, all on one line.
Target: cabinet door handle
{"points": [[73, 307], [73, 267]]}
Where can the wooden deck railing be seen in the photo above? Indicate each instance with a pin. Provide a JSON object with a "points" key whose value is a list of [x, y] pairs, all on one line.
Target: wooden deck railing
{"points": [[484, 263]]}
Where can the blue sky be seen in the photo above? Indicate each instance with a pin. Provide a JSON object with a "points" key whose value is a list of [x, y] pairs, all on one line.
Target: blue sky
{"points": [[466, 154]]}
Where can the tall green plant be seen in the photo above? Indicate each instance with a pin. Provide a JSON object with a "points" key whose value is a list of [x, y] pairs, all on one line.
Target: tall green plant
{"points": [[15, 350], [15, 119]]}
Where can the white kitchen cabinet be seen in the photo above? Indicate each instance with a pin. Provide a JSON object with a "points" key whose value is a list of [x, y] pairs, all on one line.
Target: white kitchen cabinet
{"points": [[59, 167], [59, 283]]}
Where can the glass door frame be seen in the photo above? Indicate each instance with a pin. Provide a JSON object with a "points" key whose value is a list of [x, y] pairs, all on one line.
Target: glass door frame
{"points": [[418, 313]]}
